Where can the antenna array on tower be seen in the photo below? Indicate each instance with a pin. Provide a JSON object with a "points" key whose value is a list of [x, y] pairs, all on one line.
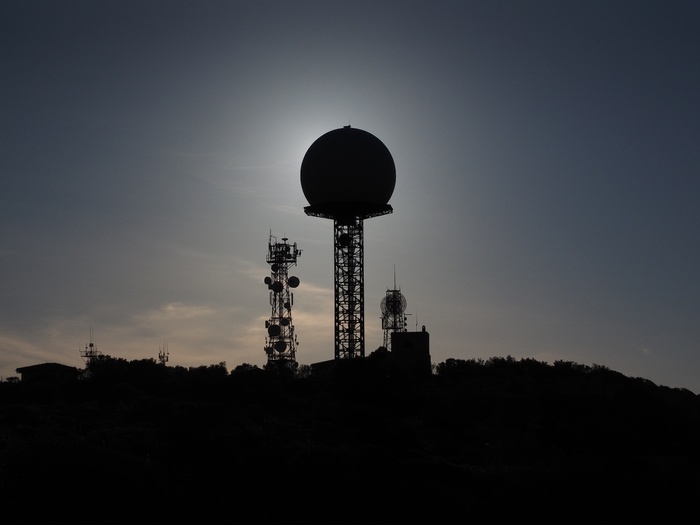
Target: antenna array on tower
{"points": [[90, 353], [163, 353], [281, 341], [393, 307]]}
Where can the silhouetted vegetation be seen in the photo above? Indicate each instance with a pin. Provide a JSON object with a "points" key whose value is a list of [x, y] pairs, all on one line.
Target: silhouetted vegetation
{"points": [[137, 441]]}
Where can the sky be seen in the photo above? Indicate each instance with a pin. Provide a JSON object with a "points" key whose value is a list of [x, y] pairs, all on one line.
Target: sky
{"points": [[547, 177]]}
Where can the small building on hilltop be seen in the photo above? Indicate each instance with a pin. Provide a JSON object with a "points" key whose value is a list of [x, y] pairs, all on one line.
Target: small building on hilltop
{"points": [[412, 350], [51, 373]]}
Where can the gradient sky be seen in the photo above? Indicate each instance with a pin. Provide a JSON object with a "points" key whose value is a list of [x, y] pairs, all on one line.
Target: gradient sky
{"points": [[546, 204]]}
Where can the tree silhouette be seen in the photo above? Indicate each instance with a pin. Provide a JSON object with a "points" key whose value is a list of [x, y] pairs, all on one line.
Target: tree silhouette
{"points": [[496, 438]]}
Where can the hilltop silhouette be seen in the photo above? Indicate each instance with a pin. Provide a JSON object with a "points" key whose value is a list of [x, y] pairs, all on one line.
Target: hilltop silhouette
{"points": [[138, 441]]}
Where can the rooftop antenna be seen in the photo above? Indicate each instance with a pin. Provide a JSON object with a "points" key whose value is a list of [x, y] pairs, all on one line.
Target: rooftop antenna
{"points": [[348, 175]]}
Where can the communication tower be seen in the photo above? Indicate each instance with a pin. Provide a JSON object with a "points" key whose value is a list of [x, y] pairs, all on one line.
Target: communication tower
{"points": [[163, 353], [90, 353], [281, 341], [348, 175], [393, 307]]}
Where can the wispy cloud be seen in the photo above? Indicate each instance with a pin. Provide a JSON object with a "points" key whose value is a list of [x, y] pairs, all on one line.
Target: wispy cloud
{"points": [[16, 352], [645, 350]]}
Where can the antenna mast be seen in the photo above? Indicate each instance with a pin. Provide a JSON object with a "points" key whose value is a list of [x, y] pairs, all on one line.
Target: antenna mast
{"points": [[163, 353], [90, 353]]}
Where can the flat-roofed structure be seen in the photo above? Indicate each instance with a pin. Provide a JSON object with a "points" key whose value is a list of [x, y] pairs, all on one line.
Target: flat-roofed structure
{"points": [[412, 351]]}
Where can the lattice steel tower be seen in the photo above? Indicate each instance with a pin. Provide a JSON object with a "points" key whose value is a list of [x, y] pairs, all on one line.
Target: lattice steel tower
{"points": [[281, 341], [90, 353], [163, 353], [348, 175]]}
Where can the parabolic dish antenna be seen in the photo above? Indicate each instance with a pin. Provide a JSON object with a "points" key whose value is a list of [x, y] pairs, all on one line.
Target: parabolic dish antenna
{"points": [[394, 303]]}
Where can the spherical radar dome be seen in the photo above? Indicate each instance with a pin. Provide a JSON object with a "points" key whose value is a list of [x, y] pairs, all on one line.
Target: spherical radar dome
{"points": [[348, 165]]}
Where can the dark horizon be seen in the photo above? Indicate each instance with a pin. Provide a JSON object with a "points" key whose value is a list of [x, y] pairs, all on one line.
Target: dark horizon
{"points": [[478, 439]]}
